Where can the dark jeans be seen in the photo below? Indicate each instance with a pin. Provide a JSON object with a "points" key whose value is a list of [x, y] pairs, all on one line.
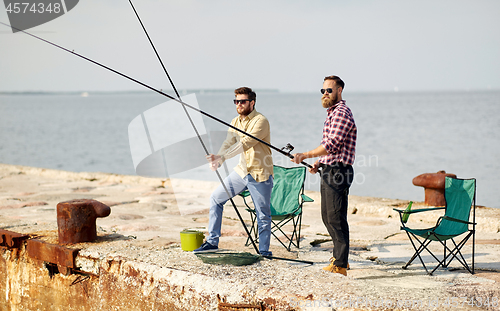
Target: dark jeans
{"points": [[335, 182]]}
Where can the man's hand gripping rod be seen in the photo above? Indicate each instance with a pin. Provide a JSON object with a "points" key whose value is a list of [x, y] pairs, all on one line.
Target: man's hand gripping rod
{"points": [[287, 151]]}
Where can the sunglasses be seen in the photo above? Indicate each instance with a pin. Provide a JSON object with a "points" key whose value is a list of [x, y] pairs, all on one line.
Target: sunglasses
{"points": [[240, 101], [329, 91]]}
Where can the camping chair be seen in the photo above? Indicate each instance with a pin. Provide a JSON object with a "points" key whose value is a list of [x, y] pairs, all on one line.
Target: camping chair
{"points": [[287, 198], [460, 196]]}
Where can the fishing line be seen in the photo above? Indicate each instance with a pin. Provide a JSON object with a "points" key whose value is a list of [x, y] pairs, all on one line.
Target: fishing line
{"points": [[195, 129]]}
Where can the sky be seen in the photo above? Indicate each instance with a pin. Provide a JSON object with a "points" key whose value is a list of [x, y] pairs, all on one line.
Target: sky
{"points": [[374, 46]]}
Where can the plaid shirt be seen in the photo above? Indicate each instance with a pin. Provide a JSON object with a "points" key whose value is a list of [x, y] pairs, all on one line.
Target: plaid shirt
{"points": [[339, 135]]}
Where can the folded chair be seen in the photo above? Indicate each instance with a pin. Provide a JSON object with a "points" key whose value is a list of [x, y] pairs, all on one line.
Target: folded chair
{"points": [[460, 196], [287, 198]]}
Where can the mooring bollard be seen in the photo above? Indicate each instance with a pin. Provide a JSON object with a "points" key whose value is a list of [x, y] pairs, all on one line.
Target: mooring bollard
{"points": [[76, 220], [433, 184]]}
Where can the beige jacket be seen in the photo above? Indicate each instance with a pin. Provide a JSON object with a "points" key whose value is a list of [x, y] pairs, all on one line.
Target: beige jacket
{"points": [[256, 158]]}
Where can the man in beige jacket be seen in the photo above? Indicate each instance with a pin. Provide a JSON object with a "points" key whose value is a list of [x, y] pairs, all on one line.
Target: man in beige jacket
{"points": [[254, 172]]}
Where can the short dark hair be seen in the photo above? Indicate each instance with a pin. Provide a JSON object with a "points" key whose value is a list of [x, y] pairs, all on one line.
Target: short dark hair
{"points": [[337, 80], [246, 91]]}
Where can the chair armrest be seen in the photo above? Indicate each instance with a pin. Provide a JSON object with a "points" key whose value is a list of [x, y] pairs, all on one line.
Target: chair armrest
{"points": [[418, 210], [245, 194], [404, 212], [305, 198], [458, 220]]}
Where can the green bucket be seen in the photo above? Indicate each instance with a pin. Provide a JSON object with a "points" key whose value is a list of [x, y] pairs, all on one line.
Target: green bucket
{"points": [[191, 240]]}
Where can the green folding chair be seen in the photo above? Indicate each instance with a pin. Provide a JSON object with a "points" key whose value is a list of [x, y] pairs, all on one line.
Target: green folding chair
{"points": [[460, 196], [287, 199]]}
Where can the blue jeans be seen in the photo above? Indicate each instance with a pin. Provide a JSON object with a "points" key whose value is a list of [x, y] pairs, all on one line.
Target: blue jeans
{"points": [[261, 197]]}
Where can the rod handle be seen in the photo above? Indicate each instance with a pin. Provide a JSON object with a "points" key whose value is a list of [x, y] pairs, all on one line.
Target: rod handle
{"points": [[303, 163]]}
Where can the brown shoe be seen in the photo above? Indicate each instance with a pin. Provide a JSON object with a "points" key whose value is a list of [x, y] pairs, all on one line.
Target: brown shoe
{"points": [[335, 269], [331, 264]]}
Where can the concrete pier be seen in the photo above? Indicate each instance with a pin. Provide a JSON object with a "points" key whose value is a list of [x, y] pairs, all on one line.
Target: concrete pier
{"points": [[136, 262]]}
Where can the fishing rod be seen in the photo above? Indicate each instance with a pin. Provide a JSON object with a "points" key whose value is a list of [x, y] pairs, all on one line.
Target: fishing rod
{"points": [[289, 259], [283, 152], [196, 130], [288, 147]]}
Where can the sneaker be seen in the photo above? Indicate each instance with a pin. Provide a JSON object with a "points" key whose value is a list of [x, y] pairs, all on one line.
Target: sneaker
{"points": [[205, 248], [265, 254]]}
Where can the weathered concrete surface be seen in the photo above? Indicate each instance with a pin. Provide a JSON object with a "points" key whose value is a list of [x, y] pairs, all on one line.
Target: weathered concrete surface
{"points": [[28, 284], [136, 263]]}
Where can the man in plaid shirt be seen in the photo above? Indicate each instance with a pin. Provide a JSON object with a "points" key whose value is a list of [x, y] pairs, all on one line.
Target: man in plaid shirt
{"points": [[336, 156]]}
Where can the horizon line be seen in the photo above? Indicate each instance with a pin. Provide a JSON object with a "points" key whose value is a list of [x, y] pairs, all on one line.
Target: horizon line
{"points": [[229, 90]]}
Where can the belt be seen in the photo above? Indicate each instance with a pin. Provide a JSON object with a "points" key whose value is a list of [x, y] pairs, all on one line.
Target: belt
{"points": [[334, 164]]}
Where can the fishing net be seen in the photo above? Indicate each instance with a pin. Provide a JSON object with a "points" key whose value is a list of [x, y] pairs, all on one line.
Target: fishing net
{"points": [[227, 258]]}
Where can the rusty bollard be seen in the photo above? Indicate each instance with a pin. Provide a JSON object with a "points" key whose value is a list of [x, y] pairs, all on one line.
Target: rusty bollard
{"points": [[433, 184], [76, 220]]}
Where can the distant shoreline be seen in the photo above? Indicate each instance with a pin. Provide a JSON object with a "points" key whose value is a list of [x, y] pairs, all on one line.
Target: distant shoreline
{"points": [[222, 91], [166, 91]]}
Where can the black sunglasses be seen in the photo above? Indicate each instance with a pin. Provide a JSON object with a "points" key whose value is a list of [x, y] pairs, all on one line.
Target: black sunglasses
{"points": [[240, 101], [327, 90]]}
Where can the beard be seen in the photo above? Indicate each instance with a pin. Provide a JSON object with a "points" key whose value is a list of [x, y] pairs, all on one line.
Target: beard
{"points": [[329, 102], [245, 111]]}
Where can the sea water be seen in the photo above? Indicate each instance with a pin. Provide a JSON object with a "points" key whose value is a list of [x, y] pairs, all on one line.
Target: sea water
{"points": [[400, 135]]}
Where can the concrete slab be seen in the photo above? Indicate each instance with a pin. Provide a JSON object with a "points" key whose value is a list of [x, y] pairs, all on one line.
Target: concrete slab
{"points": [[138, 251]]}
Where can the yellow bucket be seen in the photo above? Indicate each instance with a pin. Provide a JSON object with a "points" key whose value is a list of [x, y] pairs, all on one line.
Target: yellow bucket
{"points": [[191, 240]]}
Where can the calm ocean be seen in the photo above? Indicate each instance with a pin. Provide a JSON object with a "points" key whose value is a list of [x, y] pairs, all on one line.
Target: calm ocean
{"points": [[400, 135]]}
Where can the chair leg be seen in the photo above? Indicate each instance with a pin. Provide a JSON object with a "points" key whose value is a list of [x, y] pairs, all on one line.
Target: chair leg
{"points": [[444, 256], [417, 252], [457, 254], [441, 263], [295, 235], [451, 253], [454, 254], [448, 254], [473, 245], [254, 231], [300, 226], [420, 257], [276, 227]]}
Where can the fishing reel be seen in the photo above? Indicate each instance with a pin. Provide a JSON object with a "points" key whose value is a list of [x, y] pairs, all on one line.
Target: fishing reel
{"points": [[288, 148]]}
